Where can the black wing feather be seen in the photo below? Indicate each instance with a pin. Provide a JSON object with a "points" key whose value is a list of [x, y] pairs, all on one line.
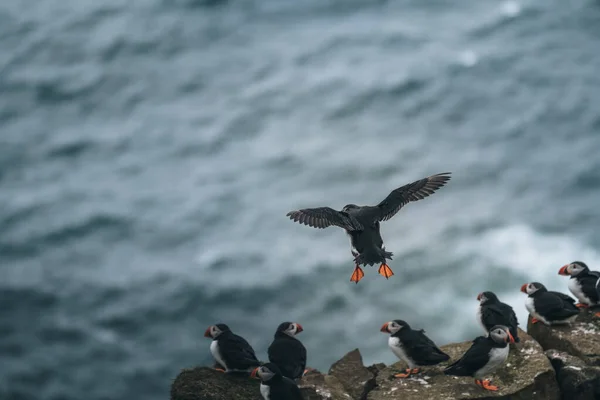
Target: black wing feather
{"points": [[500, 314], [555, 306], [588, 286], [289, 355], [414, 191], [422, 349], [286, 389], [474, 358], [322, 217], [237, 352]]}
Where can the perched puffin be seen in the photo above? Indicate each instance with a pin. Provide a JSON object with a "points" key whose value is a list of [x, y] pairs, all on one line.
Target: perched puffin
{"points": [[582, 283], [492, 312], [275, 386], [485, 355], [547, 306], [287, 352], [412, 346], [361, 223], [231, 351]]}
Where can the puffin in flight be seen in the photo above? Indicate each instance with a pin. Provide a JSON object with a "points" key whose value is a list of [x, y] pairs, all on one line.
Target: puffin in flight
{"points": [[492, 312], [412, 346], [484, 356], [583, 283], [548, 306], [231, 351], [361, 223]]}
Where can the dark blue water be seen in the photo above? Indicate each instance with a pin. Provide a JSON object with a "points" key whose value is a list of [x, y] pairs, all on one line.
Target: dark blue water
{"points": [[150, 149]]}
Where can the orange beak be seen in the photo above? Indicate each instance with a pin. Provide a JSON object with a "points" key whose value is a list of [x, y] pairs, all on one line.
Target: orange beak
{"points": [[524, 288], [254, 372], [563, 270], [511, 339], [479, 296], [298, 328], [385, 328], [207, 333]]}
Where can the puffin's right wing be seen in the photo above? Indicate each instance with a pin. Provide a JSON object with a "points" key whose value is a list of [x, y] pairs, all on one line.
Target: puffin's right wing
{"points": [[323, 217], [237, 351], [414, 191], [474, 359]]}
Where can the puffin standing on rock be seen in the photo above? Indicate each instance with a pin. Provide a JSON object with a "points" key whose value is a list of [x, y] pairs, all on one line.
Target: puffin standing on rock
{"points": [[287, 352], [412, 346], [362, 223], [275, 386], [550, 307], [492, 312], [583, 283], [483, 357], [231, 351]]}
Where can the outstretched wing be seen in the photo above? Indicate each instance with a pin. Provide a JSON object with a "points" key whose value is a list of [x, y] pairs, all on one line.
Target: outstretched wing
{"points": [[414, 191], [323, 217]]}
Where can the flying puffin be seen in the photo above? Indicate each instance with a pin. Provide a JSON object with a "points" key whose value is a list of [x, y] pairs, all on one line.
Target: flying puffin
{"points": [[492, 312], [231, 351], [287, 352], [547, 306], [582, 283], [485, 355], [412, 346], [361, 223], [275, 386]]}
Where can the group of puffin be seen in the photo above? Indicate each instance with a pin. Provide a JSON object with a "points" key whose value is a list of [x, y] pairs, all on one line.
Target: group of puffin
{"points": [[287, 355]]}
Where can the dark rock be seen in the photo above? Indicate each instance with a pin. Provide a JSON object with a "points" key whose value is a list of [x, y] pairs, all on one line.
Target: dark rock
{"points": [[353, 375], [316, 386], [527, 375], [580, 339], [576, 379], [203, 383]]}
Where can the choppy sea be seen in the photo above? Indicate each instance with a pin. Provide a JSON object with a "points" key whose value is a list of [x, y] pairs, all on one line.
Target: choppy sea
{"points": [[150, 149]]}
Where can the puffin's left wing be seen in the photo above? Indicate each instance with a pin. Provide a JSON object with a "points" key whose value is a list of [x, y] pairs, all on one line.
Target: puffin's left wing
{"points": [[323, 217]]}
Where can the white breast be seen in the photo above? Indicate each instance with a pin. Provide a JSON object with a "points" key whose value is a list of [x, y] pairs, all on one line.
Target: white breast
{"points": [[529, 305], [575, 288], [480, 321], [497, 357], [214, 349], [265, 391], [397, 348]]}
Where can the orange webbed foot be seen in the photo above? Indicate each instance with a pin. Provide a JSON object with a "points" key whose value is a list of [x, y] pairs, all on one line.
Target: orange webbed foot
{"points": [[597, 315], [385, 271], [534, 320], [581, 305], [307, 370], [408, 372], [486, 384], [219, 369], [357, 275]]}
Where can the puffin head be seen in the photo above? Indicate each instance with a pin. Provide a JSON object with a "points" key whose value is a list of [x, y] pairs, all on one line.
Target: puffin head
{"points": [[394, 326], [289, 328], [532, 287], [573, 269], [487, 297], [501, 334], [214, 331], [266, 372]]}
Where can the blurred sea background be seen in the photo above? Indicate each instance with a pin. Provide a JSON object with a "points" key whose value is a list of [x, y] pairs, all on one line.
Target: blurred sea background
{"points": [[150, 149]]}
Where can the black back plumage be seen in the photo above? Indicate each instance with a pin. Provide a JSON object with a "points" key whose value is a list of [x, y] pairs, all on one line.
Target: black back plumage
{"points": [[418, 346], [474, 359], [554, 306], [494, 312], [235, 350], [281, 388], [588, 280], [288, 353]]}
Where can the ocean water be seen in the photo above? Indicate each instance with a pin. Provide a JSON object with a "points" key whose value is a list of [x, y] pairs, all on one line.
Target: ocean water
{"points": [[150, 149]]}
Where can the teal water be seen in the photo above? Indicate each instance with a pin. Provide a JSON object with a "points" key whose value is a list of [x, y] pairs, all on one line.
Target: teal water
{"points": [[150, 149]]}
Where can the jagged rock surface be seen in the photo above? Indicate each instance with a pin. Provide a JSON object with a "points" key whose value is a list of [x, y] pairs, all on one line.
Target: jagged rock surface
{"points": [[580, 339], [527, 374], [357, 379], [576, 379], [324, 386]]}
